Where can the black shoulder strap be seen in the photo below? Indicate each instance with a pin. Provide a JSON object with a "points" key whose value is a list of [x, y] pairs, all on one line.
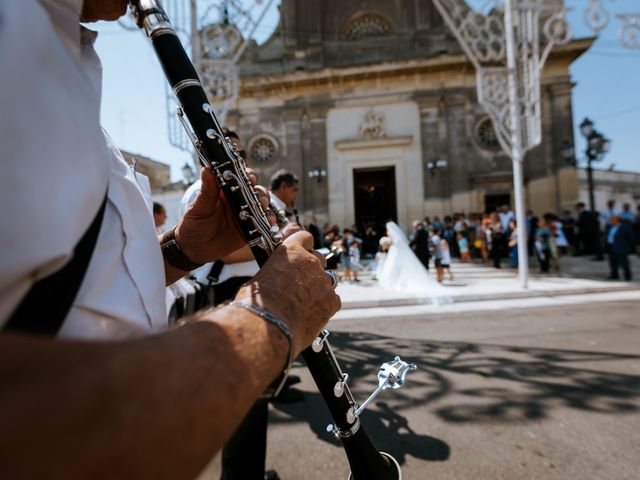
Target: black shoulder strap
{"points": [[214, 273], [46, 305]]}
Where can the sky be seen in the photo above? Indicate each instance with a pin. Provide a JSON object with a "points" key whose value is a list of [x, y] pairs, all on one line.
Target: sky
{"points": [[607, 89]]}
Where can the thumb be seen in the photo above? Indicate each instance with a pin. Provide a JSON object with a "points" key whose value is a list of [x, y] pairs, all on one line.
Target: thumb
{"points": [[206, 200], [209, 189], [302, 238]]}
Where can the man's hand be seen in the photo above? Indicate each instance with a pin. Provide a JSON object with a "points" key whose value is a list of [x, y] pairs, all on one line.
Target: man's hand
{"points": [[294, 286], [208, 231]]}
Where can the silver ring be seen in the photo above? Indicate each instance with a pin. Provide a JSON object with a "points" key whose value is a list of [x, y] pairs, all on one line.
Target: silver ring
{"points": [[333, 277]]}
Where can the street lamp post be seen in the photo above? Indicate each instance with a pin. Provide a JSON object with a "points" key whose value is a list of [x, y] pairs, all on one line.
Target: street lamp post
{"points": [[188, 174], [597, 147]]}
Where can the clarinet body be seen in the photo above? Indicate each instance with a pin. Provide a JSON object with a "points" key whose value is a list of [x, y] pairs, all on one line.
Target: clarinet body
{"points": [[216, 152]]}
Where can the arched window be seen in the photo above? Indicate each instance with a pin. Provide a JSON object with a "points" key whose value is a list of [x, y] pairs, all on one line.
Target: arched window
{"points": [[486, 135], [366, 25], [263, 150]]}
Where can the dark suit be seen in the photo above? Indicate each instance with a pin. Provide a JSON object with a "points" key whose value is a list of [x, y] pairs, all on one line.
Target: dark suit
{"points": [[623, 244], [420, 243], [532, 226], [588, 232]]}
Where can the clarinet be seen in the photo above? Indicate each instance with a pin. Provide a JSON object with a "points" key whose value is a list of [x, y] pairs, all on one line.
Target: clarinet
{"points": [[216, 152]]}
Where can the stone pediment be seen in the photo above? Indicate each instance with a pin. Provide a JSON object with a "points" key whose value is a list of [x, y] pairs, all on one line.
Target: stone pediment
{"points": [[363, 143]]}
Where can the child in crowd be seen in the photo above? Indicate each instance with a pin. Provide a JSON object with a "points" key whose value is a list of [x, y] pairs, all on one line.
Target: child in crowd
{"points": [[463, 246], [436, 245], [446, 260], [354, 255]]}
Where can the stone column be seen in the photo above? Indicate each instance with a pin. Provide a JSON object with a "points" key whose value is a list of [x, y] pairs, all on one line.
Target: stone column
{"points": [[562, 128], [315, 155]]}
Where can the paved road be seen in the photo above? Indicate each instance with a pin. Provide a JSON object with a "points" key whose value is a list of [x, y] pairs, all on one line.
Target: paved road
{"points": [[530, 393]]}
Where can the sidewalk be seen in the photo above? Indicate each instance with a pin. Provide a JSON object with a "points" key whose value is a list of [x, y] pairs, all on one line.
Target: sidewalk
{"points": [[472, 283]]}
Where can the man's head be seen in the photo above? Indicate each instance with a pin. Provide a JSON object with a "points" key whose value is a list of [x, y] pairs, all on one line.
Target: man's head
{"points": [[505, 208], [159, 214], [626, 207], [580, 206], [614, 220], [94, 10], [611, 204], [285, 185]]}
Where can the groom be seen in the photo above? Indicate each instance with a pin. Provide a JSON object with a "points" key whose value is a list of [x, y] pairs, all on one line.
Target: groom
{"points": [[420, 243]]}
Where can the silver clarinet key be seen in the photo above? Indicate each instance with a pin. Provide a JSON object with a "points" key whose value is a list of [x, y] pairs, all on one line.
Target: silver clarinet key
{"points": [[392, 375]]}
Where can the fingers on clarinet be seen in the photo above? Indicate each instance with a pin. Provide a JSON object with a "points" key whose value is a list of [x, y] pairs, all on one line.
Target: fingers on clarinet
{"points": [[302, 238], [253, 176], [289, 229], [271, 218], [337, 303], [263, 196], [321, 259]]}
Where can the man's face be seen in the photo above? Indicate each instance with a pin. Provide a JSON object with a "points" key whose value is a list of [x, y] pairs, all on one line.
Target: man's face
{"points": [[288, 193], [610, 204], [94, 10], [160, 218]]}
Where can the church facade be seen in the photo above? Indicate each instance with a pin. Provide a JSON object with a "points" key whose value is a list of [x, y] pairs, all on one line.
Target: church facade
{"points": [[373, 105]]}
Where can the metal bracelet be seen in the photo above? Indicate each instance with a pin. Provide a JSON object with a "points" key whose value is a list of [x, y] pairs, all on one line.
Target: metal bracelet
{"points": [[280, 325]]}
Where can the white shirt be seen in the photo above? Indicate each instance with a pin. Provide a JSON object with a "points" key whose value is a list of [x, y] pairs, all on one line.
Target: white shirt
{"points": [[56, 169], [505, 218], [605, 216], [446, 255], [275, 200]]}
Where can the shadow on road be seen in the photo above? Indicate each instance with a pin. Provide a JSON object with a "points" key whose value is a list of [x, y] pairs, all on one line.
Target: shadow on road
{"points": [[389, 431], [514, 382], [468, 382]]}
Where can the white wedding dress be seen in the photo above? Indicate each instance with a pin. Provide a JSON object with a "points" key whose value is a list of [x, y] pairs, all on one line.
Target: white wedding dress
{"points": [[403, 271]]}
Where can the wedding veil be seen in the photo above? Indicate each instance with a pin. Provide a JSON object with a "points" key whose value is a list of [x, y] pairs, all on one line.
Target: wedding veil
{"points": [[403, 271]]}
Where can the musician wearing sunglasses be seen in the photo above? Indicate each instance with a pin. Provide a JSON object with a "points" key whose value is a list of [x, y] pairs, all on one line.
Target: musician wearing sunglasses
{"points": [[93, 382]]}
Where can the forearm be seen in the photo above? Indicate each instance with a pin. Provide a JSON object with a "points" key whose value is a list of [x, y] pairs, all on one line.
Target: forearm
{"points": [[242, 255], [172, 274], [127, 409]]}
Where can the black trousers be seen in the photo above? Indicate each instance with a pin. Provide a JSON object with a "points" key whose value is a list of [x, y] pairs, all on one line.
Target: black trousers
{"points": [[496, 255], [619, 260], [243, 456], [424, 259]]}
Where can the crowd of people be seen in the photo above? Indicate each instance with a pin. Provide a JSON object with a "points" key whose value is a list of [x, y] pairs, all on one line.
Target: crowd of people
{"points": [[491, 238]]}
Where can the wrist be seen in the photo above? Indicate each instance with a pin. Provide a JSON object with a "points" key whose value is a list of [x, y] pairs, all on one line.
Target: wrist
{"points": [[283, 330], [173, 252], [257, 295]]}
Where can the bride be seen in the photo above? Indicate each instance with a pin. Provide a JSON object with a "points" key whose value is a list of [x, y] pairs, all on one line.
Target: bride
{"points": [[403, 271]]}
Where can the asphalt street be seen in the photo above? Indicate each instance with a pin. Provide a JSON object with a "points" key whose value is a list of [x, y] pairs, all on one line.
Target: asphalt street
{"points": [[549, 392]]}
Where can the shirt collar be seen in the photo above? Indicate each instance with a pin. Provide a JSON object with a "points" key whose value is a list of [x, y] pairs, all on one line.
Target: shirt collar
{"points": [[65, 18]]}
